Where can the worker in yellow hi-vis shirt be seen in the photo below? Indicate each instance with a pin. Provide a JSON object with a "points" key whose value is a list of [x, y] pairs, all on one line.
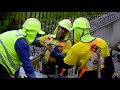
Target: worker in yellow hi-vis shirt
{"points": [[57, 45], [90, 54]]}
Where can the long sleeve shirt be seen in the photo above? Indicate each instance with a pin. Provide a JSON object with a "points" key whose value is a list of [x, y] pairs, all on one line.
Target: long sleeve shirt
{"points": [[22, 48]]}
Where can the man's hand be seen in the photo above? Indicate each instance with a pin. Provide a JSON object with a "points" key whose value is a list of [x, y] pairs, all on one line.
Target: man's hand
{"points": [[49, 47]]}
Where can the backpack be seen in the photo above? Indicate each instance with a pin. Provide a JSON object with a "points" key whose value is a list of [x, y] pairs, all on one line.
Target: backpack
{"points": [[95, 59]]}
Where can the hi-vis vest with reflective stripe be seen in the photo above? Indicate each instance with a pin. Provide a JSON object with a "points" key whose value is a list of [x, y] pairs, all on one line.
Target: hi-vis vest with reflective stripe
{"points": [[8, 56]]}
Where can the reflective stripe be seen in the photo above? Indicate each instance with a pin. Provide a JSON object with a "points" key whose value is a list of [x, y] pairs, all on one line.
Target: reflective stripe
{"points": [[9, 57], [18, 34], [5, 63]]}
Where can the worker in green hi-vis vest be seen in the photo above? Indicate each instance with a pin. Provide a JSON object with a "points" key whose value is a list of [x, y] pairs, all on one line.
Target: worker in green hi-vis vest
{"points": [[14, 49]]}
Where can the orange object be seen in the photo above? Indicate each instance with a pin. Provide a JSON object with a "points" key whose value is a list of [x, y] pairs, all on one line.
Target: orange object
{"points": [[40, 67], [82, 71], [62, 71], [93, 49], [60, 47]]}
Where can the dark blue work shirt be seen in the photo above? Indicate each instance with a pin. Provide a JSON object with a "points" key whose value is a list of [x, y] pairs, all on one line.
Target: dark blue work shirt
{"points": [[22, 48]]}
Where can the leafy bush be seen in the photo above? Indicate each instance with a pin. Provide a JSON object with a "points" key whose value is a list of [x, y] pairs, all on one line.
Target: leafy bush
{"points": [[14, 20]]}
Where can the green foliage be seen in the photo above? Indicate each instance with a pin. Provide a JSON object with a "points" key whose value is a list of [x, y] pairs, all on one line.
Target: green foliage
{"points": [[49, 20], [4, 21]]}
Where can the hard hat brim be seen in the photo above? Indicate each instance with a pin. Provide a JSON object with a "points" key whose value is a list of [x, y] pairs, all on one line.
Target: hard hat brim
{"points": [[41, 32], [71, 29]]}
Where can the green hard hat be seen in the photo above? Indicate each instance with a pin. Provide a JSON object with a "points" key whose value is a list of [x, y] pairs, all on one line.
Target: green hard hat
{"points": [[81, 23], [33, 24]]}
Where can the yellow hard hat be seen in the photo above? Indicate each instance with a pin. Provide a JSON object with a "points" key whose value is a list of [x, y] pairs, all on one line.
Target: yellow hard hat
{"points": [[81, 23], [33, 24], [66, 23]]}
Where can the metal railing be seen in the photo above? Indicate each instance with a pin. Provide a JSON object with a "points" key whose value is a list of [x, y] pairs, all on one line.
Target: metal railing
{"points": [[104, 20]]}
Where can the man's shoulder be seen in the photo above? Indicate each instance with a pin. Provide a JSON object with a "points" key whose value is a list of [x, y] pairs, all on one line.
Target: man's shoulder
{"points": [[68, 41], [21, 41], [100, 40]]}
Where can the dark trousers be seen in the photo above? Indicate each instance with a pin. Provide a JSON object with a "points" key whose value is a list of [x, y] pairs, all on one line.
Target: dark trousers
{"points": [[3, 72], [49, 68], [93, 74]]}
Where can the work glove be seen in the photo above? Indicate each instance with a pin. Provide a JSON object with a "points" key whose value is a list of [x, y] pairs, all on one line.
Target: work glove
{"points": [[49, 47]]}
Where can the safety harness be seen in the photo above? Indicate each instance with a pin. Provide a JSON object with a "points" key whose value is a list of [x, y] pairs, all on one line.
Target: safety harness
{"points": [[95, 59]]}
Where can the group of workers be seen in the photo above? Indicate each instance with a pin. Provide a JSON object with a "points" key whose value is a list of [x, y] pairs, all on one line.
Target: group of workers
{"points": [[15, 51]]}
